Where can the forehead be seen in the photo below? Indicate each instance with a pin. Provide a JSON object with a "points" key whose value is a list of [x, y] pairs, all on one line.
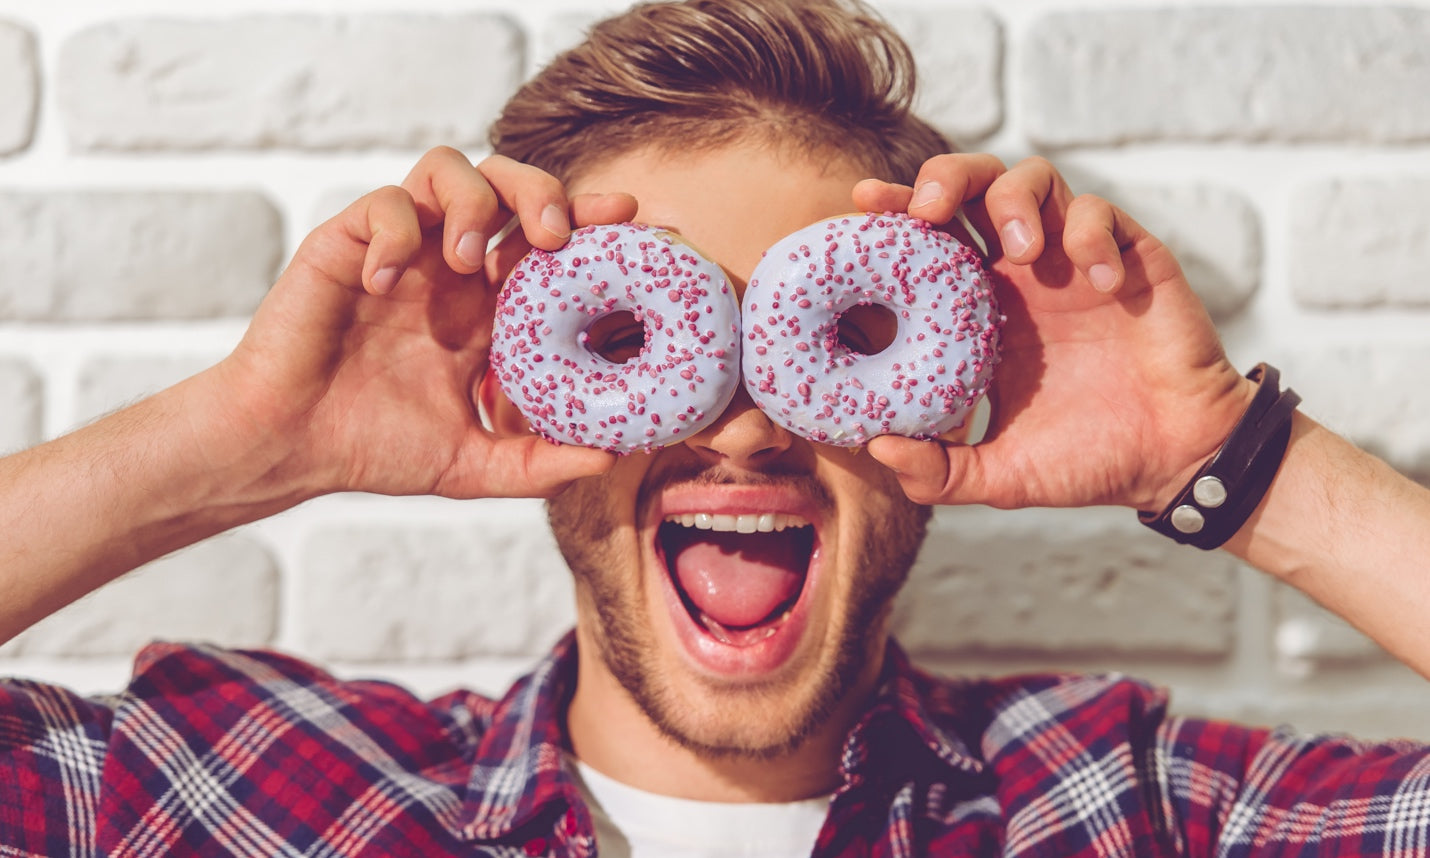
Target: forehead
{"points": [[731, 203]]}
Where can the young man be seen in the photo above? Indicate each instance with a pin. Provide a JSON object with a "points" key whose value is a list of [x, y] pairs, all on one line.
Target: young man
{"points": [[734, 123]]}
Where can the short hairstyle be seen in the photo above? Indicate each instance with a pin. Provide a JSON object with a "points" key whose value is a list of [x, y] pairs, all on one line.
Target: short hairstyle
{"points": [[826, 76]]}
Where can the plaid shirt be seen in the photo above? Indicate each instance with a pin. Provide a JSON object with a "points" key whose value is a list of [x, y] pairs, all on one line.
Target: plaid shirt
{"points": [[212, 752]]}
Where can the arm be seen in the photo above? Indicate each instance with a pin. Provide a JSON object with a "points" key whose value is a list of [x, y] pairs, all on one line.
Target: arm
{"points": [[85, 508], [1114, 389], [358, 373], [1353, 534]]}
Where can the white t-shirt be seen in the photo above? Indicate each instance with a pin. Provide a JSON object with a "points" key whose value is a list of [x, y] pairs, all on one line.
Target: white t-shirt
{"points": [[632, 823]]}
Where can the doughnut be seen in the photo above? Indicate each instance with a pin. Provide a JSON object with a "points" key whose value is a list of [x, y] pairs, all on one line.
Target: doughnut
{"points": [[546, 363], [801, 373]]}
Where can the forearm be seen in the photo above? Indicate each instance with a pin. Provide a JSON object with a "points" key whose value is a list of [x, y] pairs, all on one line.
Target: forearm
{"points": [[1345, 528], [162, 474]]}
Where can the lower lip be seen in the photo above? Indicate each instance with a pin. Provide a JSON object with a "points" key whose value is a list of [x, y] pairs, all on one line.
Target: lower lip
{"points": [[753, 661]]}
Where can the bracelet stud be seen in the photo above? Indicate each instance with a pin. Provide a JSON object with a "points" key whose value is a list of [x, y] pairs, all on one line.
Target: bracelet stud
{"points": [[1222, 495], [1209, 492], [1187, 519]]}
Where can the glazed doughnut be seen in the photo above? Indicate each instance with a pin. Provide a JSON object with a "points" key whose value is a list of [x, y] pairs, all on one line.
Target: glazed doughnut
{"points": [[685, 373], [926, 382]]}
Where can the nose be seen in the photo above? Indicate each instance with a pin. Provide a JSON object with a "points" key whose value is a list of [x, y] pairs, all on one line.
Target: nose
{"points": [[743, 436]]}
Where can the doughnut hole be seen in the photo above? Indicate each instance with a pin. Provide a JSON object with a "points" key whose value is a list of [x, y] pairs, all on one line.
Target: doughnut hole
{"points": [[866, 328], [618, 337]]}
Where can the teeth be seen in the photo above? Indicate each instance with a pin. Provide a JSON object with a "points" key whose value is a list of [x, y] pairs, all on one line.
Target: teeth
{"points": [[742, 639], [765, 522], [716, 630]]}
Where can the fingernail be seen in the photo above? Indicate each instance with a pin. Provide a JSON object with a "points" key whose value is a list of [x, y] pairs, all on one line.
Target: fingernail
{"points": [[553, 217], [928, 192], [1017, 238], [472, 248], [385, 280], [1103, 277]]}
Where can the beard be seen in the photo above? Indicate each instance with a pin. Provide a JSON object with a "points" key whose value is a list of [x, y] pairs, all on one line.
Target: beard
{"points": [[763, 719]]}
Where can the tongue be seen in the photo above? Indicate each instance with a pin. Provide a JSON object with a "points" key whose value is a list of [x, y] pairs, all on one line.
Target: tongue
{"points": [[739, 579]]}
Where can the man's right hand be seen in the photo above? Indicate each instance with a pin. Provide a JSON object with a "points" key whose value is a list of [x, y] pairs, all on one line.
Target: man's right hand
{"points": [[361, 368]]}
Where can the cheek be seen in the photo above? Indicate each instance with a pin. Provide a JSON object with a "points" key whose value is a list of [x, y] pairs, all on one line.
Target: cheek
{"points": [[859, 480], [582, 520], [877, 518], [593, 522]]}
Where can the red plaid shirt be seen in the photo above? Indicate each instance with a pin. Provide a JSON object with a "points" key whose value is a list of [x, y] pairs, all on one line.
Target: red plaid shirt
{"points": [[212, 752]]}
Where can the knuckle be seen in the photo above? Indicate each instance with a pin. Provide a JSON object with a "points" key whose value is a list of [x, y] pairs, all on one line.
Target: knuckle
{"points": [[1084, 238], [523, 182], [443, 153], [945, 161], [1038, 162], [1009, 193], [991, 160], [495, 161], [390, 195], [392, 213], [1089, 211]]}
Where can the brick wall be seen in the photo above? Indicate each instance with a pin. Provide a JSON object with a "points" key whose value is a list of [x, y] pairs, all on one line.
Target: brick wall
{"points": [[159, 160]]}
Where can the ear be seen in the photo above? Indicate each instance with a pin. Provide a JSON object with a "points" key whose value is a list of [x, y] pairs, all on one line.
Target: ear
{"points": [[497, 413]]}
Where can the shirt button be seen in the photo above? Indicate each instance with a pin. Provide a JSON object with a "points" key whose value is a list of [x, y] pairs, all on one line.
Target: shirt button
{"points": [[569, 824], [536, 846]]}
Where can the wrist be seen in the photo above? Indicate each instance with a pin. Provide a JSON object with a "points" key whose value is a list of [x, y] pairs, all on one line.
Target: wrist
{"points": [[1211, 433], [243, 455], [1218, 499]]}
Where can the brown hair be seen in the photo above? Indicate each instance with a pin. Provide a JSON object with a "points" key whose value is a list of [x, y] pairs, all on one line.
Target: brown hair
{"points": [[826, 76]]}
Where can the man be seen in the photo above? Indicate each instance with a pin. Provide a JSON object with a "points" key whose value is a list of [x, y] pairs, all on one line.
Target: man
{"points": [[733, 123]]}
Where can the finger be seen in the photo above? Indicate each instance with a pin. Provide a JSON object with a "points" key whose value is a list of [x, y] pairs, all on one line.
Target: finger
{"points": [[531, 467], [877, 195], [536, 198], [923, 468], [449, 191], [587, 209], [932, 472], [1025, 204], [385, 223], [1094, 238], [947, 182]]}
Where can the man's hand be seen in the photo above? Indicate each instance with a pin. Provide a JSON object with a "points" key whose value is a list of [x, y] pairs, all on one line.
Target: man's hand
{"points": [[1113, 387], [360, 371], [363, 363]]}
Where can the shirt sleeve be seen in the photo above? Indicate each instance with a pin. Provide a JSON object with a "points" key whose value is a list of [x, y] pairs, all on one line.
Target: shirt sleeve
{"points": [[52, 750], [1228, 790]]}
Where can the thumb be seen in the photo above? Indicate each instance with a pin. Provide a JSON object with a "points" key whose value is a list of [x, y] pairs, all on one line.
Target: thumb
{"points": [[552, 466], [930, 472], [529, 467]]}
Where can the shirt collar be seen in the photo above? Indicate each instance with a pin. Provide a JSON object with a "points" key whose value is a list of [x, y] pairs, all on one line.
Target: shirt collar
{"points": [[518, 773], [911, 713]]}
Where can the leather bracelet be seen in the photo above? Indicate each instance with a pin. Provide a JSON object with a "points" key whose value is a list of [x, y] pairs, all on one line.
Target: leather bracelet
{"points": [[1222, 495]]}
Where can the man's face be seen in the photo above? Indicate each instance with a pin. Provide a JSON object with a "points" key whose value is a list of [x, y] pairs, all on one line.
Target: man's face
{"points": [[735, 642]]}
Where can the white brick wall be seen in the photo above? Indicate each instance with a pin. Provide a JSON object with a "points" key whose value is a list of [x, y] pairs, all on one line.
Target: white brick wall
{"points": [[160, 159], [74, 256], [19, 86], [287, 82]]}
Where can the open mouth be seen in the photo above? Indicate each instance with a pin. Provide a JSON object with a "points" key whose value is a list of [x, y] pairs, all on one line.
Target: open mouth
{"points": [[738, 576]]}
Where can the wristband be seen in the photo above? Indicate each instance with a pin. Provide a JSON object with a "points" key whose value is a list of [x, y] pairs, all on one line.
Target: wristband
{"points": [[1222, 495]]}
